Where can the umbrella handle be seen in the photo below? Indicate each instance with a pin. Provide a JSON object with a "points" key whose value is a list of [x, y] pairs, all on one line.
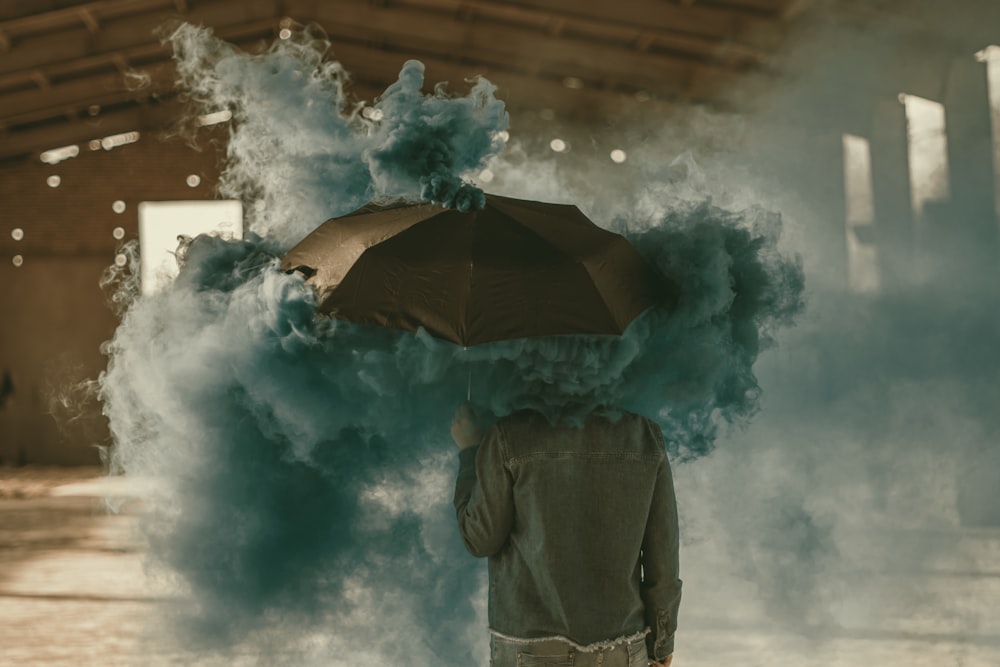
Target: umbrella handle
{"points": [[468, 391]]}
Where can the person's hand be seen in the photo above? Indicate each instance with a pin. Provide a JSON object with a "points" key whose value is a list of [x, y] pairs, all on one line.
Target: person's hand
{"points": [[666, 661], [467, 426]]}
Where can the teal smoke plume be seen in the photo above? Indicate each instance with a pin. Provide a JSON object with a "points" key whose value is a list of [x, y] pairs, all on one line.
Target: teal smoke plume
{"points": [[304, 465]]}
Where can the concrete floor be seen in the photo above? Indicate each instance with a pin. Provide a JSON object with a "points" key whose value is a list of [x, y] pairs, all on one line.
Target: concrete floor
{"points": [[73, 592]]}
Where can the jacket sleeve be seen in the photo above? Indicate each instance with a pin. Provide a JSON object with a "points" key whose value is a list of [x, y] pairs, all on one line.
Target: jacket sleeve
{"points": [[484, 496], [661, 584]]}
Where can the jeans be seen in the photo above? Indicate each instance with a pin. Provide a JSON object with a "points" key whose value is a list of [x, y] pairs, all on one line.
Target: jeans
{"points": [[556, 653]]}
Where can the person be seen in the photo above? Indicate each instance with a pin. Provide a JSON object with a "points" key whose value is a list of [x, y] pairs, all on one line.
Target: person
{"points": [[579, 525]]}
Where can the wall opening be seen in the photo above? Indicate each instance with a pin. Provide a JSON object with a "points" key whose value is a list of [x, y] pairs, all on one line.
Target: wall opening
{"points": [[162, 222], [928, 156], [862, 251]]}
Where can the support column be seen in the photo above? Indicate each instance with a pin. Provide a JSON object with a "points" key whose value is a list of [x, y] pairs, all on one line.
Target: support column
{"points": [[964, 229], [990, 57], [893, 229], [829, 189]]}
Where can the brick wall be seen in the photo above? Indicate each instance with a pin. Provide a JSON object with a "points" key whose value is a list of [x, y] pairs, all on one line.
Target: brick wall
{"points": [[53, 314]]}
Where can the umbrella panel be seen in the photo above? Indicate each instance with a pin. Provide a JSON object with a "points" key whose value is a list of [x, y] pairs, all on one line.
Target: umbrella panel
{"points": [[471, 280], [514, 269]]}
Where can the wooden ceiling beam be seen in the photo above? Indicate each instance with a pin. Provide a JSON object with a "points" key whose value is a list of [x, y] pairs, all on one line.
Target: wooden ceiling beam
{"points": [[697, 20], [32, 105], [485, 43], [519, 92], [42, 20], [14, 80], [91, 65], [795, 8], [763, 8], [595, 27], [120, 61], [373, 43], [141, 117], [10, 11], [124, 33], [40, 80], [558, 57], [150, 50], [498, 46], [89, 20], [370, 68]]}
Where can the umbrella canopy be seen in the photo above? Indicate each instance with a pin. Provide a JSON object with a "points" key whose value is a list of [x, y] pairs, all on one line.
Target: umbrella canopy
{"points": [[514, 269]]}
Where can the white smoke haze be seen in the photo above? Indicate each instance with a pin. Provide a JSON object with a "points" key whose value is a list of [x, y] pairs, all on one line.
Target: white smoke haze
{"points": [[305, 467], [858, 512]]}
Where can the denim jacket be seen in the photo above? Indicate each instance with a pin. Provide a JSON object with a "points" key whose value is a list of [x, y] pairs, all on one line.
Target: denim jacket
{"points": [[580, 527]]}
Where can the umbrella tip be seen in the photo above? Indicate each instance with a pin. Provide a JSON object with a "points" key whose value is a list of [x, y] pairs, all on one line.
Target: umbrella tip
{"points": [[453, 193]]}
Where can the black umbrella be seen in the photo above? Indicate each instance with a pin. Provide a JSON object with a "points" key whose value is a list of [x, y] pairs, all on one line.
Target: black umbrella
{"points": [[514, 269]]}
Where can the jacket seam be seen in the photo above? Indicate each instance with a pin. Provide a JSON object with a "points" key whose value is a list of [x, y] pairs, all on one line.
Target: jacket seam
{"points": [[504, 451], [658, 437]]}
